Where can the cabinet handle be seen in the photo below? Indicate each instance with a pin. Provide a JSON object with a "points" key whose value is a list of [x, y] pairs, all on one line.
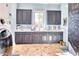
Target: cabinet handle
{"points": [[50, 38]]}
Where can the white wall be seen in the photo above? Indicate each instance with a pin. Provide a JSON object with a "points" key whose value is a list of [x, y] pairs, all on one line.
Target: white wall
{"points": [[4, 11], [64, 9], [12, 10], [39, 6], [4, 14]]}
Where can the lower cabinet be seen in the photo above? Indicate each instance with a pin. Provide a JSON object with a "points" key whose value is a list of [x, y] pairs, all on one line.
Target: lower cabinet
{"points": [[23, 38], [44, 37], [27, 38], [38, 37]]}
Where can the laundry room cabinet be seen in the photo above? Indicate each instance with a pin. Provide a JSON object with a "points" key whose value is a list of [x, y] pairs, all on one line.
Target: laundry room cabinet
{"points": [[23, 16], [38, 37]]}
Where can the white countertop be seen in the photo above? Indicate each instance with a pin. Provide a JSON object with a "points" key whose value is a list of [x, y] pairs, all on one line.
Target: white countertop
{"points": [[20, 30], [24, 28]]}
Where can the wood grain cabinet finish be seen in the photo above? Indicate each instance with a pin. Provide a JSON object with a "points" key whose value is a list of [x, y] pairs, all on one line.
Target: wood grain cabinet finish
{"points": [[53, 17], [18, 37], [37, 37], [19, 16], [27, 16], [27, 38], [23, 38], [23, 16]]}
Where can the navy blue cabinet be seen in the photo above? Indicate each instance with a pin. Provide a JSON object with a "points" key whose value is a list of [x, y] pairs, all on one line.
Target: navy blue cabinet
{"points": [[38, 37], [23, 16], [53, 17]]}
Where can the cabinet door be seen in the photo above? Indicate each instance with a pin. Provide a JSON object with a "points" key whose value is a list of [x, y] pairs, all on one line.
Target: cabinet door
{"points": [[27, 16], [23, 38], [44, 38], [28, 38], [19, 16], [50, 17], [55, 37], [18, 38], [36, 38], [53, 17], [58, 17], [49, 37]]}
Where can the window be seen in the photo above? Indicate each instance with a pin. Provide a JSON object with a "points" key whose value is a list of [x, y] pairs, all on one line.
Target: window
{"points": [[53, 17], [39, 18]]}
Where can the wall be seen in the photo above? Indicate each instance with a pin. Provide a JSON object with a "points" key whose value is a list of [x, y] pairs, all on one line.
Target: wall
{"points": [[62, 7], [4, 11], [12, 11], [39, 6], [4, 14]]}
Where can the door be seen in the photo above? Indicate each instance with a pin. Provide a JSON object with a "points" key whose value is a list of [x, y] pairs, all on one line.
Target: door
{"points": [[35, 38], [18, 38], [28, 38], [19, 16], [27, 16], [44, 37]]}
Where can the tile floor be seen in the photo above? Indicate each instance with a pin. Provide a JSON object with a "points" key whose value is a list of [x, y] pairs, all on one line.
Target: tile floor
{"points": [[36, 50]]}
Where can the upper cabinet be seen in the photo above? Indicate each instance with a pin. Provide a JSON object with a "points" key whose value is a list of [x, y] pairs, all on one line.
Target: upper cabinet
{"points": [[27, 16], [53, 17], [19, 16], [38, 14], [24, 16]]}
